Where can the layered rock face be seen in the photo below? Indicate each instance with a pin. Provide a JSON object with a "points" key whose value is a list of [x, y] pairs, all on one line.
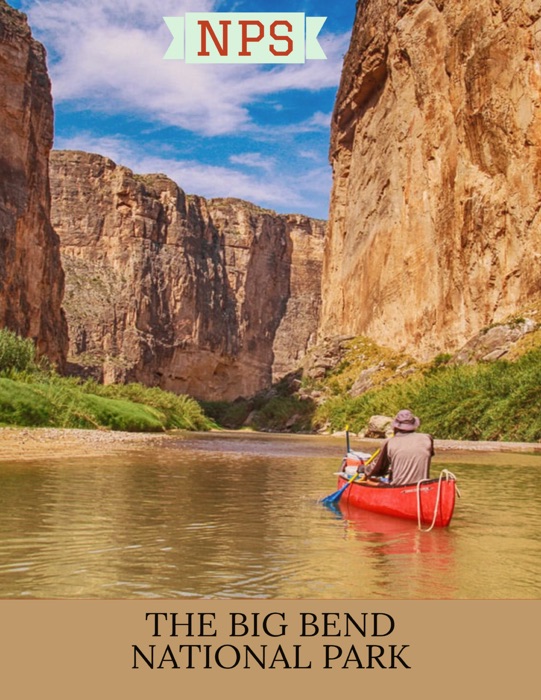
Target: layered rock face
{"points": [[211, 298], [31, 278], [435, 223]]}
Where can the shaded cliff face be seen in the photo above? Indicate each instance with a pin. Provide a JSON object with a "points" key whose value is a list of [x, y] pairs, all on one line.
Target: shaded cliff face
{"points": [[31, 278], [210, 298], [435, 223]]}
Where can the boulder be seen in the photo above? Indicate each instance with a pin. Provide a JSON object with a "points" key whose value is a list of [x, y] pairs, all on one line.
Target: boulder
{"points": [[379, 427]]}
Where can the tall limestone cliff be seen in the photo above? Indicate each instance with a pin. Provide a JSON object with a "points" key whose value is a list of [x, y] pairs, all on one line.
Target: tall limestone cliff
{"points": [[435, 221], [214, 298], [31, 278]]}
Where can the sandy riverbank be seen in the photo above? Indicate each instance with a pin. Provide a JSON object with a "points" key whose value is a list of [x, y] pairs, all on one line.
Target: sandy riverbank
{"points": [[50, 443]]}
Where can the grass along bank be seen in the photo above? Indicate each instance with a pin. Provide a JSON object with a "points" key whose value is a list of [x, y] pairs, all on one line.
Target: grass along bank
{"points": [[53, 401], [32, 394]]}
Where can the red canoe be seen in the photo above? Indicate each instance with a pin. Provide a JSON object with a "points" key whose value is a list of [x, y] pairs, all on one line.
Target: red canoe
{"points": [[431, 502]]}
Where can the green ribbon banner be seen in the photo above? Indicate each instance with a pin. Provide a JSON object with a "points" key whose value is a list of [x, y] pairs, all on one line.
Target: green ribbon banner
{"points": [[244, 37]]}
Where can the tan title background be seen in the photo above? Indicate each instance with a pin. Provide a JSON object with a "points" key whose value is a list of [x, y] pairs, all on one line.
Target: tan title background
{"points": [[83, 649]]}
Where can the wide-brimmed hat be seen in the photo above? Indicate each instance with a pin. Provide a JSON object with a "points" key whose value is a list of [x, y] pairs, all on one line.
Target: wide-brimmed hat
{"points": [[406, 421]]}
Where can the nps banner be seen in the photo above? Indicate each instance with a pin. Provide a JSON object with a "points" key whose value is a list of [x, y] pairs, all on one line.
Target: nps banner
{"points": [[244, 37]]}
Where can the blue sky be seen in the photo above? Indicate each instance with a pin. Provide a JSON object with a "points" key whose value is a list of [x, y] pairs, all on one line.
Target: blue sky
{"points": [[256, 132]]}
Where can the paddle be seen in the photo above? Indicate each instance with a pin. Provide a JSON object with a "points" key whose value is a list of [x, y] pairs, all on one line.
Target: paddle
{"points": [[335, 497]]}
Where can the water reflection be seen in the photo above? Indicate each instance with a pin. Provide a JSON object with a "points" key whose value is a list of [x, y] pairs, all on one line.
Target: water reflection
{"points": [[215, 516], [397, 547]]}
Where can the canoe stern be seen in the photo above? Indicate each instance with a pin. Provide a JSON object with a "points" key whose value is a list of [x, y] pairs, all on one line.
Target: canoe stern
{"points": [[430, 502]]}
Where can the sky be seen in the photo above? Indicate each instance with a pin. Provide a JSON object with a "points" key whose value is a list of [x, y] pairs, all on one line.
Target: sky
{"points": [[257, 132]]}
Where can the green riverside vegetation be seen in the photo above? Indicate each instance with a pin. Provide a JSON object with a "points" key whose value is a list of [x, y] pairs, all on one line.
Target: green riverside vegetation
{"points": [[498, 400], [32, 394]]}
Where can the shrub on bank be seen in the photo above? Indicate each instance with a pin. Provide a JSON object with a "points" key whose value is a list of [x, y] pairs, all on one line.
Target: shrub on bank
{"points": [[19, 405], [16, 353], [230, 415], [284, 412]]}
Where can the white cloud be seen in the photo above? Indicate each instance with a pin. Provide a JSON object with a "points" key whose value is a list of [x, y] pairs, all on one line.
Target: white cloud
{"points": [[320, 119], [316, 123], [309, 154], [109, 56], [298, 192], [253, 160]]}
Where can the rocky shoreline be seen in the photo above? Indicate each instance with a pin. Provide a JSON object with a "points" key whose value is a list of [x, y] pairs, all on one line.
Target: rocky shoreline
{"points": [[487, 446], [26, 444]]}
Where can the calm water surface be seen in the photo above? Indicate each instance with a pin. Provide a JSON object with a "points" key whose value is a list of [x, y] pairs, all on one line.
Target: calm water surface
{"points": [[237, 516]]}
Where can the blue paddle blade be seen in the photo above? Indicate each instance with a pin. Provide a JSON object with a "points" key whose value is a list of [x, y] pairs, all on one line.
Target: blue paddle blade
{"points": [[334, 509], [335, 497]]}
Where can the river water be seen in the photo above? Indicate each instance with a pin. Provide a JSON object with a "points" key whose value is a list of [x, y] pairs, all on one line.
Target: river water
{"points": [[236, 516]]}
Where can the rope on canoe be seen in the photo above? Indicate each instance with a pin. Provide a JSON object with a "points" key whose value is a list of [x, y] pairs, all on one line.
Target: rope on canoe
{"points": [[444, 473]]}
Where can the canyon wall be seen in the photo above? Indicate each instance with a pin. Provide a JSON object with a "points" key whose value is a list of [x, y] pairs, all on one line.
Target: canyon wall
{"points": [[31, 278], [435, 223], [214, 298]]}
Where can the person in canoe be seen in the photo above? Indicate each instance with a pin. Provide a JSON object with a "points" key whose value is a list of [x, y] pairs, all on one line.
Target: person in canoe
{"points": [[408, 453]]}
